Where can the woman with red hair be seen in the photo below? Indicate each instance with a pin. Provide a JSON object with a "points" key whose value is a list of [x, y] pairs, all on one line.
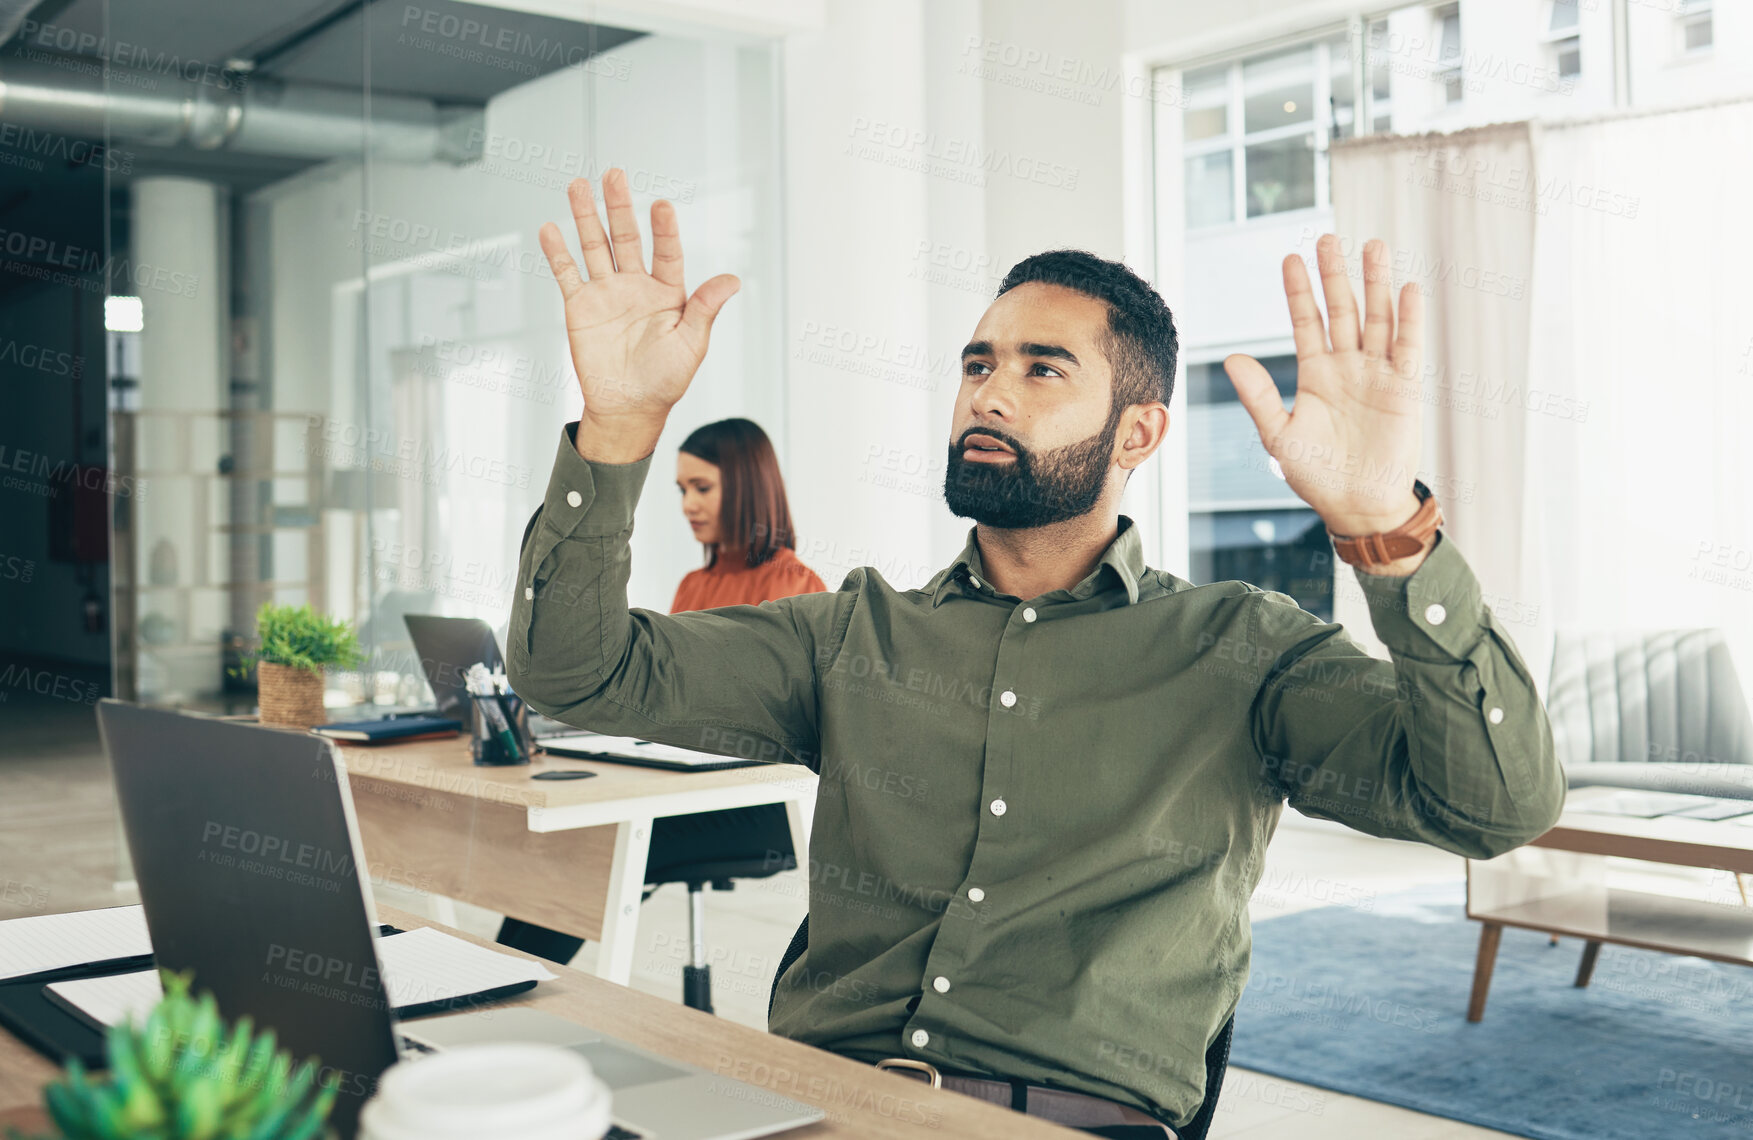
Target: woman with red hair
{"points": [[733, 498]]}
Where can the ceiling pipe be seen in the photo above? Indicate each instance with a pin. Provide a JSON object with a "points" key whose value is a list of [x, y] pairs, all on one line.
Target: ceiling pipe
{"points": [[12, 16], [76, 95]]}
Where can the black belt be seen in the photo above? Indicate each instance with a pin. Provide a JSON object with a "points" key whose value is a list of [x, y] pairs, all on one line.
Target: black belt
{"points": [[1061, 1106]]}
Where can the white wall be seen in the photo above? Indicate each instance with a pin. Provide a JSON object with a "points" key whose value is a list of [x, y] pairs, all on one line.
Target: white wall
{"points": [[928, 148], [452, 340]]}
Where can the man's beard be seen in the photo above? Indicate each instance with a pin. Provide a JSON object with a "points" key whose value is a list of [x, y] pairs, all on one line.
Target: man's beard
{"points": [[1031, 490]]}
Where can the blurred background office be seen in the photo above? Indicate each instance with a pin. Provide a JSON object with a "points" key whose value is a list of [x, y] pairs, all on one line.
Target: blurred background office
{"points": [[274, 325]]}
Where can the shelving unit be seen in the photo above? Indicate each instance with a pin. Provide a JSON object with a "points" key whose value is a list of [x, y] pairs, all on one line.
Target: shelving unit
{"points": [[205, 484]]}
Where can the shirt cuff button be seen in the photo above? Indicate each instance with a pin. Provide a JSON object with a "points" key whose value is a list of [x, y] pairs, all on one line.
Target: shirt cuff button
{"points": [[1434, 614], [574, 499]]}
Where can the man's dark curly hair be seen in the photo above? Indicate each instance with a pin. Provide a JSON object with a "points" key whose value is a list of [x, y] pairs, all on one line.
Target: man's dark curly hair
{"points": [[1140, 342]]}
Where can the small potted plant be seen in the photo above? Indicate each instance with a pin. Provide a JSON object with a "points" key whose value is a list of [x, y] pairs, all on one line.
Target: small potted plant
{"points": [[185, 1075], [296, 643]]}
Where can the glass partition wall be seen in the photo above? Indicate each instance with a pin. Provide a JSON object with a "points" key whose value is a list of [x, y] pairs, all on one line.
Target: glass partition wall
{"points": [[347, 372]]}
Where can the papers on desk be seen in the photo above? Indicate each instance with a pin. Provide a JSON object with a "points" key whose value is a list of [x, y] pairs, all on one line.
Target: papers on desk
{"points": [[48, 942], [632, 750], [1650, 805], [419, 967]]}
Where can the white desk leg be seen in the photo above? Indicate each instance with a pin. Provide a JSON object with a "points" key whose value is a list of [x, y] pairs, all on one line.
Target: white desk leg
{"points": [[444, 910], [621, 907], [801, 815]]}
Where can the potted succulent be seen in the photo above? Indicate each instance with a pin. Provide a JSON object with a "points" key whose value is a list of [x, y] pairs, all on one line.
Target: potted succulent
{"points": [[296, 643], [185, 1075]]}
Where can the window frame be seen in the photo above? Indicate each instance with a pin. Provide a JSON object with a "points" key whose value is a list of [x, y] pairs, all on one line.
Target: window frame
{"points": [[1556, 42], [1236, 138], [1692, 13]]}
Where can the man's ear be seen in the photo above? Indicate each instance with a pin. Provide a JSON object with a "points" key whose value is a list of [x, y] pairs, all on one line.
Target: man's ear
{"points": [[1142, 430]]}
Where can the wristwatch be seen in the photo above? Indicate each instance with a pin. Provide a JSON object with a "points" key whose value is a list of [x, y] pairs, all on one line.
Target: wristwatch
{"points": [[1371, 551]]}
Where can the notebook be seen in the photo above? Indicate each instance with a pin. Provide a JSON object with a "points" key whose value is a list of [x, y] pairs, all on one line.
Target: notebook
{"points": [[425, 971], [393, 728], [642, 753], [45, 943]]}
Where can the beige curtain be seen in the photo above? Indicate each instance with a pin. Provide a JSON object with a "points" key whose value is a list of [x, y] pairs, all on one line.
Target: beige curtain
{"points": [[1458, 212], [1590, 362]]}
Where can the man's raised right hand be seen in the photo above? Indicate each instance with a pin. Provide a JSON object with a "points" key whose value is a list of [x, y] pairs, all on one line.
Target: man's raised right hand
{"points": [[637, 338]]}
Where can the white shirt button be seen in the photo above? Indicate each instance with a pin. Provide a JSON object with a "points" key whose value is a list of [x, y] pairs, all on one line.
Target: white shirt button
{"points": [[975, 894], [1434, 613], [529, 593], [973, 581], [574, 499], [998, 807], [920, 1038], [1029, 613], [941, 984], [1495, 716], [1007, 698]]}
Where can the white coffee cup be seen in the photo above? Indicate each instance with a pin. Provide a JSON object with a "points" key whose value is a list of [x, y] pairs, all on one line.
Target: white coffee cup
{"points": [[531, 1092]]}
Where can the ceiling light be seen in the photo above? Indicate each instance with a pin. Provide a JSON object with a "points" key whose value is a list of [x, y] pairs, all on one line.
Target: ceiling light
{"points": [[123, 314]]}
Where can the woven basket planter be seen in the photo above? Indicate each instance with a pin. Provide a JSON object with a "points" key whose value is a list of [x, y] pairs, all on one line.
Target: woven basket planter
{"points": [[292, 698]]}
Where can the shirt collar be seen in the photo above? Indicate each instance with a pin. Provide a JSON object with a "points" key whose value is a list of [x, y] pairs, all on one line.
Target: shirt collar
{"points": [[1124, 559]]}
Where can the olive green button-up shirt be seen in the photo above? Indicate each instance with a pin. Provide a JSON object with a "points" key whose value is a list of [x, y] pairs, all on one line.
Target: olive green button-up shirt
{"points": [[1039, 820]]}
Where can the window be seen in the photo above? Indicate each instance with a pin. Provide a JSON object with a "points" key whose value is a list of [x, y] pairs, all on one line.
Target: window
{"points": [[1694, 24], [1563, 40], [1255, 131], [1448, 73], [1244, 520], [1381, 73], [1205, 128]]}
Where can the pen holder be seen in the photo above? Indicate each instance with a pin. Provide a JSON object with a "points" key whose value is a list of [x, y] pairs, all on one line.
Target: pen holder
{"points": [[487, 743]]}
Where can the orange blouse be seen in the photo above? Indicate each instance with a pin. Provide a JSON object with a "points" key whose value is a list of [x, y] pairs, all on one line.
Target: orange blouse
{"points": [[780, 576]]}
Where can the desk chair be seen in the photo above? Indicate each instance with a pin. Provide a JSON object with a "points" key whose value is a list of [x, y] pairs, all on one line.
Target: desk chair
{"points": [[1217, 1055], [715, 848], [1659, 711], [712, 848]]}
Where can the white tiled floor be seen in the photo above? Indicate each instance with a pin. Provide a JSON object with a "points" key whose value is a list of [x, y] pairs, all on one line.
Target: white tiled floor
{"points": [[58, 838]]}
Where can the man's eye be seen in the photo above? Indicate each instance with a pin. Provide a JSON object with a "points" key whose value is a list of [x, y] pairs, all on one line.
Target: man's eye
{"points": [[1048, 369], [969, 367]]}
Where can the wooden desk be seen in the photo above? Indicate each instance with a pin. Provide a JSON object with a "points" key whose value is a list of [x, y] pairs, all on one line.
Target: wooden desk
{"points": [[1561, 883], [859, 1100], [567, 854]]}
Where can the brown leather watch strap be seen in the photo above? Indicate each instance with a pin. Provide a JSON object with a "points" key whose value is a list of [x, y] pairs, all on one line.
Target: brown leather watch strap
{"points": [[1372, 550]]}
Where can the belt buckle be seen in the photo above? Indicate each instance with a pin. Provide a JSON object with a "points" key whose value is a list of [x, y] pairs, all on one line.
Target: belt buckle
{"points": [[908, 1063]]}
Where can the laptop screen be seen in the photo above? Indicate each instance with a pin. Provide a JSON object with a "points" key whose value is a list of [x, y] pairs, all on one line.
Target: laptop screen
{"points": [[447, 646], [246, 857]]}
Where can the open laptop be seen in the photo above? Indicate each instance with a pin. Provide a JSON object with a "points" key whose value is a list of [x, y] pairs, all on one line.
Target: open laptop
{"points": [[447, 646], [247, 853]]}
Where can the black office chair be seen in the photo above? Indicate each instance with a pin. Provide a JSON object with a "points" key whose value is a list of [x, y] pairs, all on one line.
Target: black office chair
{"points": [[1217, 1055], [711, 848], [715, 848]]}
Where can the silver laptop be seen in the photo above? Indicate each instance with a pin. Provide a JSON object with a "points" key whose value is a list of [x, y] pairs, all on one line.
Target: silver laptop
{"points": [[449, 645], [246, 850]]}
